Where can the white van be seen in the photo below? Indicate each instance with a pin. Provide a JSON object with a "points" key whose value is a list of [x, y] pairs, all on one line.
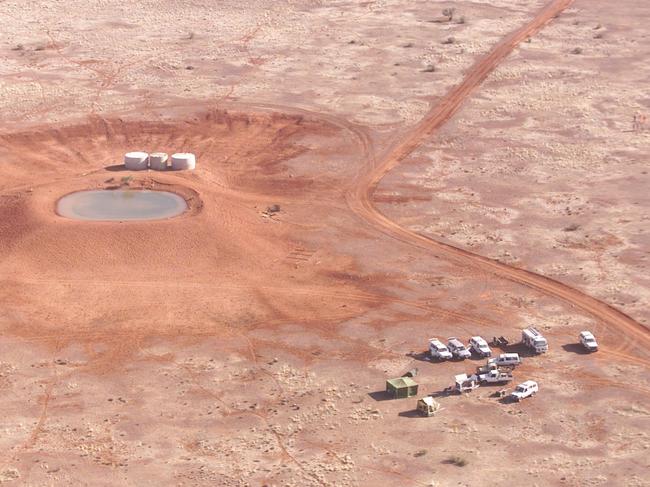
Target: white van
{"points": [[532, 338], [506, 359]]}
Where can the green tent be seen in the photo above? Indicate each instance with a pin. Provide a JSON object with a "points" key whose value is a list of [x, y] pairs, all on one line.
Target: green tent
{"points": [[401, 387]]}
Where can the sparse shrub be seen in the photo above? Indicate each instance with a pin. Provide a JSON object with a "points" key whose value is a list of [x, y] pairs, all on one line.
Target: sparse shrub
{"points": [[461, 20], [571, 228], [429, 69], [273, 209], [408, 44], [598, 26], [190, 36], [189, 68], [457, 460], [126, 180], [40, 47], [420, 453], [352, 42], [449, 13], [576, 50], [18, 47], [598, 35], [449, 40]]}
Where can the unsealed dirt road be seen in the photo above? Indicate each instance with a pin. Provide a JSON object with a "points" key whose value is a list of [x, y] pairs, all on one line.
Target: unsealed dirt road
{"points": [[238, 346], [360, 197]]}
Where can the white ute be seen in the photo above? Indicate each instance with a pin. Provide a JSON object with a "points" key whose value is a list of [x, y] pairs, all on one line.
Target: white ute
{"points": [[506, 359], [457, 348], [534, 339], [524, 390], [438, 350], [588, 341], [480, 346], [495, 377]]}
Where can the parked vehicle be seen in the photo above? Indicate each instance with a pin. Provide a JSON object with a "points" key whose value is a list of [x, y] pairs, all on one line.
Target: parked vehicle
{"points": [[524, 390], [457, 348], [588, 341], [495, 377], [438, 350], [484, 369], [506, 359], [427, 406], [534, 339], [479, 346], [465, 383]]}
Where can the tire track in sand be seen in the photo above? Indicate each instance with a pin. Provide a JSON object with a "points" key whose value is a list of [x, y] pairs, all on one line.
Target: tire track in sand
{"points": [[359, 197]]}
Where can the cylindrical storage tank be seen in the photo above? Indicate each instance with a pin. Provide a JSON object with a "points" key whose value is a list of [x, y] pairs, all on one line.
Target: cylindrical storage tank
{"points": [[183, 160], [158, 161], [136, 161]]}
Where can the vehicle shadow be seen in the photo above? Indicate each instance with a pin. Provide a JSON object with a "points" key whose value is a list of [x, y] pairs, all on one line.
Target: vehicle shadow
{"points": [[116, 168], [519, 348], [412, 413], [421, 356], [507, 400], [477, 358], [380, 396], [575, 348], [501, 385], [443, 393]]}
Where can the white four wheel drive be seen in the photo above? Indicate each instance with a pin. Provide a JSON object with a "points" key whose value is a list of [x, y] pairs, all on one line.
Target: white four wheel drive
{"points": [[506, 359], [480, 346], [588, 341], [524, 390], [438, 350], [457, 348]]}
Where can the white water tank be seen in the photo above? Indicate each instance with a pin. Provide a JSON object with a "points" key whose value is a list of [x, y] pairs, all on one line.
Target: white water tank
{"points": [[136, 161], [183, 160], [158, 161]]}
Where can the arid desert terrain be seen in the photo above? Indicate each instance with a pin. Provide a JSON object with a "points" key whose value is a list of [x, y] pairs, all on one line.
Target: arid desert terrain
{"points": [[370, 174]]}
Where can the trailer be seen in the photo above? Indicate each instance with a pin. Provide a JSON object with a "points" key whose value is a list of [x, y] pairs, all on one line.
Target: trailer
{"points": [[465, 383], [534, 340]]}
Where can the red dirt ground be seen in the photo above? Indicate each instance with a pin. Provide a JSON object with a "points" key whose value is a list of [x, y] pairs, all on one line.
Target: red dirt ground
{"points": [[232, 346]]}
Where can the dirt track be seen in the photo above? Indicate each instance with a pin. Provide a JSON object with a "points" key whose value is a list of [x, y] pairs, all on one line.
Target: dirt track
{"points": [[360, 197], [230, 347]]}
